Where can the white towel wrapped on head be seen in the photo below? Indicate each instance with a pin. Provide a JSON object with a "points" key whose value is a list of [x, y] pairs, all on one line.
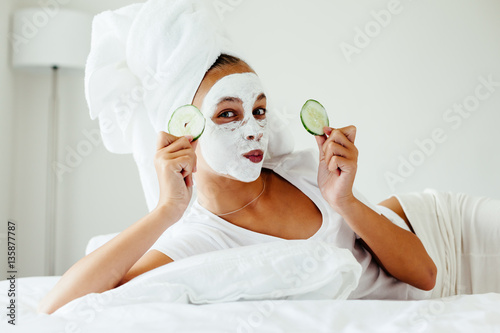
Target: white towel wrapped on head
{"points": [[149, 58], [146, 60]]}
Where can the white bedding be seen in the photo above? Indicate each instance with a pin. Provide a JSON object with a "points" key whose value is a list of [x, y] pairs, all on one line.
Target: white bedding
{"points": [[470, 313], [238, 291]]}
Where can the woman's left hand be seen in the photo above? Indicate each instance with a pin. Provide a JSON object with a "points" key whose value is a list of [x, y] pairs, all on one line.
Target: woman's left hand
{"points": [[338, 162]]}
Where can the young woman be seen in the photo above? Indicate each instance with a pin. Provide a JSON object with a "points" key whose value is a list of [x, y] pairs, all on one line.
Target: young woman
{"points": [[243, 201]]}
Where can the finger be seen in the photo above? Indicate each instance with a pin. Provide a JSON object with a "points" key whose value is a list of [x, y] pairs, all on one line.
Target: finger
{"points": [[349, 132], [181, 143], [194, 144], [188, 167], [334, 149], [181, 154], [165, 139], [320, 140], [339, 137], [182, 161], [183, 168], [339, 163], [189, 180]]}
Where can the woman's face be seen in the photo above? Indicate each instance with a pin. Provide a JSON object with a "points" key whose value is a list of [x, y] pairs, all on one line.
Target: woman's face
{"points": [[235, 138]]}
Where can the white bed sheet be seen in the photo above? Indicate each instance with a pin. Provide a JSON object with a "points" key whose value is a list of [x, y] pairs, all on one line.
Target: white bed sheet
{"points": [[467, 313]]}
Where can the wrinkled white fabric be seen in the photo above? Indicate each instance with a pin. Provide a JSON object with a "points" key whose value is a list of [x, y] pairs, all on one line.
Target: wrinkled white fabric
{"points": [[259, 272], [461, 234], [456, 314], [146, 60]]}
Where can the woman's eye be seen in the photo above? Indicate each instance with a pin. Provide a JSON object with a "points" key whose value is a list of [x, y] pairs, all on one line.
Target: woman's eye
{"points": [[259, 112], [227, 114]]}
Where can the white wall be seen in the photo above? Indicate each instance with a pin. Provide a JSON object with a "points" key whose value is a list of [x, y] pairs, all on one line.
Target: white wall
{"points": [[395, 90], [101, 194], [5, 132]]}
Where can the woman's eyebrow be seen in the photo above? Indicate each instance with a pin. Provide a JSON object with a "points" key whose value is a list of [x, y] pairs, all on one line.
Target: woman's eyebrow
{"points": [[238, 100], [230, 99]]}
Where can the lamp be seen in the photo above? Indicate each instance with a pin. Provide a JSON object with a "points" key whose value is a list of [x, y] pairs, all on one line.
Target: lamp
{"points": [[50, 38]]}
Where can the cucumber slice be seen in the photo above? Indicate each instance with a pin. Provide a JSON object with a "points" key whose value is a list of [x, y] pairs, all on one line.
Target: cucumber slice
{"points": [[314, 117], [187, 120]]}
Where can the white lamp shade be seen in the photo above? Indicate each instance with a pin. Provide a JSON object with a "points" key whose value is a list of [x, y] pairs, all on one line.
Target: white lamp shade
{"points": [[48, 37]]}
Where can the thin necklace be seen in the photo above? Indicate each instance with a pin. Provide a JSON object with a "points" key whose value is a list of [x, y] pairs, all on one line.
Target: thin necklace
{"points": [[237, 210]]}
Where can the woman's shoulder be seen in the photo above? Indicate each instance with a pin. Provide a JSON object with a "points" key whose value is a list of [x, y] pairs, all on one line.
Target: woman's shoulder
{"points": [[196, 221], [199, 219]]}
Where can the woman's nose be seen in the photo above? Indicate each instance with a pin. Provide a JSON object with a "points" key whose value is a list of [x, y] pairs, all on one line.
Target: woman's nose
{"points": [[255, 137]]}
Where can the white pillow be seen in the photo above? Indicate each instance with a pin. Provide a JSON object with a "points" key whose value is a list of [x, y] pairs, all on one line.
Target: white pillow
{"points": [[287, 269], [98, 241]]}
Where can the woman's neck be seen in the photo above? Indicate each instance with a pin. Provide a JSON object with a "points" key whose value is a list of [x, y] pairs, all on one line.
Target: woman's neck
{"points": [[222, 195]]}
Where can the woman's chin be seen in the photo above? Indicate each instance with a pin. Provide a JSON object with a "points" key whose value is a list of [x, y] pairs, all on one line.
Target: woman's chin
{"points": [[242, 169], [245, 174]]}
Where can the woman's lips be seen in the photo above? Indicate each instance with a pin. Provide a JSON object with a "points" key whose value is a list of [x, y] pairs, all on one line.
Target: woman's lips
{"points": [[255, 156]]}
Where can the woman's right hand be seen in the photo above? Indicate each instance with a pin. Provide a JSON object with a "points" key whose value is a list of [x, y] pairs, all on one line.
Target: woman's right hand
{"points": [[175, 163]]}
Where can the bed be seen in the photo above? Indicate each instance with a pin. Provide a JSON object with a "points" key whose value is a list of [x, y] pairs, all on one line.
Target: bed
{"points": [[285, 286]]}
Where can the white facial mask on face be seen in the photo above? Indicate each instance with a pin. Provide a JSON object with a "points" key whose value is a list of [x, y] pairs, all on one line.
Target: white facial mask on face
{"points": [[223, 146]]}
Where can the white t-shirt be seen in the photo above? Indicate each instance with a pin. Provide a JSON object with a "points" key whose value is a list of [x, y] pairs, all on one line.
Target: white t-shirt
{"points": [[200, 231]]}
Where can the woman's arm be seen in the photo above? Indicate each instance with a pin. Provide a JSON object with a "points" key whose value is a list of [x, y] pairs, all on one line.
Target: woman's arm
{"points": [[398, 251], [118, 261], [104, 268]]}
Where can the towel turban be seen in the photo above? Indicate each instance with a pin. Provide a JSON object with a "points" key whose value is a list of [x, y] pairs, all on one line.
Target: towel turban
{"points": [[146, 60]]}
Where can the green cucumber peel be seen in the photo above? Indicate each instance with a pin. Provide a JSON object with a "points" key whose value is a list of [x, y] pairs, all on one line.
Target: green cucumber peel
{"points": [[187, 120], [314, 117]]}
